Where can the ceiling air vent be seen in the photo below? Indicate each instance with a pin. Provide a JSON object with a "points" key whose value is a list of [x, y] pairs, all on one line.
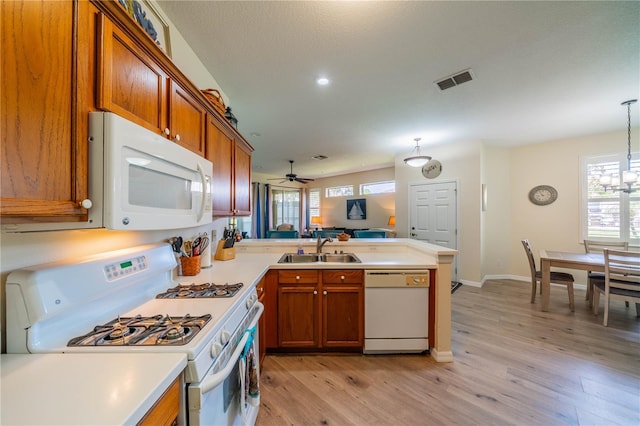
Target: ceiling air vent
{"points": [[455, 80]]}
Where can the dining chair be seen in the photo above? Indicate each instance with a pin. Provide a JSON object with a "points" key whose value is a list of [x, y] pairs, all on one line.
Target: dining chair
{"points": [[556, 277], [592, 246], [284, 227], [621, 280], [332, 233], [370, 234], [282, 234]]}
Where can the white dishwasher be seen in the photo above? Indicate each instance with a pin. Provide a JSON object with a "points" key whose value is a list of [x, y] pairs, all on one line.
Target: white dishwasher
{"points": [[396, 311]]}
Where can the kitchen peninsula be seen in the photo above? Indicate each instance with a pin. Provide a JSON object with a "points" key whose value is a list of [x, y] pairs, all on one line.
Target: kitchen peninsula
{"points": [[256, 259]]}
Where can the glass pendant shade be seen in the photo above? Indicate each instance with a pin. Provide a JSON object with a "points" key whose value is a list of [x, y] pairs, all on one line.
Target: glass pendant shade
{"points": [[417, 160]]}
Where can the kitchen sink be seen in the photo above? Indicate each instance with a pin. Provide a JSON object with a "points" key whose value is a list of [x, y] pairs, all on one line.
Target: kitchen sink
{"points": [[313, 257], [298, 258], [342, 258]]}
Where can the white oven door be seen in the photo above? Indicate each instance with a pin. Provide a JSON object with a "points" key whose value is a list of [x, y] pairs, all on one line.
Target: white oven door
{"points": [[229, 394]]}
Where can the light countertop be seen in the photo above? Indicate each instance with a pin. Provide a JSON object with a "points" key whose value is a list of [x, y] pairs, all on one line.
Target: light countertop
{"points": [[84, 389]]}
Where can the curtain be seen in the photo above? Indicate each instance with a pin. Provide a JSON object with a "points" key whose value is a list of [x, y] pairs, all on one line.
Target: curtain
{"points": [[256, 216], [304, 217], [267, 207]]}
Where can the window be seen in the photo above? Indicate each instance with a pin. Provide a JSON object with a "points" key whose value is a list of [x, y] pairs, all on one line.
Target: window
{"points": [[609, 215], [285, 207], [378, 188], [339, 191], [314, 202]]}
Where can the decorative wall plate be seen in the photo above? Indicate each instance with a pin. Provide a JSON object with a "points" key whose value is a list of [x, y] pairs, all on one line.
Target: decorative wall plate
{"points": [[432, 169], [543, 195]]}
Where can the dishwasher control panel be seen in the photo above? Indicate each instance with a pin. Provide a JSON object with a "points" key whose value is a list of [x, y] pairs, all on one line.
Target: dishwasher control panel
{"points": [[397, 278]]}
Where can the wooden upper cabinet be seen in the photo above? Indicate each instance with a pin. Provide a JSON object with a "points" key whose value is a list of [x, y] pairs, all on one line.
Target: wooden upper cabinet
{"points": [[133, 85], [130, 83], [231, 158], [186, 120], [242, 176], [46, 95]]}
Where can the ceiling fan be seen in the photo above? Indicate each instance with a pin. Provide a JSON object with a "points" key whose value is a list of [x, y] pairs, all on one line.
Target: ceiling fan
{"points": [[291, 177]]}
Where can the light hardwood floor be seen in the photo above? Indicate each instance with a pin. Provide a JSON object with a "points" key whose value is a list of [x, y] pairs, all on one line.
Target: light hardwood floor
{"points": [[513, 364]]}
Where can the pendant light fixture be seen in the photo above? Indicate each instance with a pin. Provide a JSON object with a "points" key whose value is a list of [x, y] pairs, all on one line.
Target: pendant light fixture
{"points": [[629, 178], [417, 160]]}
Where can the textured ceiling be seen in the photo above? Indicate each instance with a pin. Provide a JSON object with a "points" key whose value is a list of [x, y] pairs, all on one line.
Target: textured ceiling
{"points": [[542, 71]]}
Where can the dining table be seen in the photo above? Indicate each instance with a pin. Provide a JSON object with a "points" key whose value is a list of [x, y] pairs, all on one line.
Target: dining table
{"points": [[581, 261]]}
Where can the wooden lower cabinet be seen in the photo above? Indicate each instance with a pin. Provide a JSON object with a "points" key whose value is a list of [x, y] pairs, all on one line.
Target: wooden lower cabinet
{"points": [[320, 309], [165, 411], [342, 309], [298, 309]]}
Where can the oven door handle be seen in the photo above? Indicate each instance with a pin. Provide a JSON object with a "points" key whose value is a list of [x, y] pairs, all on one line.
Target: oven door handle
{"points": [[211, 382]]}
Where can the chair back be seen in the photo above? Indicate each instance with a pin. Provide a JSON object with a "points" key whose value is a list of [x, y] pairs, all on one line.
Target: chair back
{"points": [[622, 270], [592, 246], [282, 234], [532, 261], [284, 227], [369, 234], [332, 233]]}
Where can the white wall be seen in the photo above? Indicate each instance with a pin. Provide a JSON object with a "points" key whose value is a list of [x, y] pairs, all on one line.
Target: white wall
{"points": [[460, 163], [379, 206], [555, 163]]}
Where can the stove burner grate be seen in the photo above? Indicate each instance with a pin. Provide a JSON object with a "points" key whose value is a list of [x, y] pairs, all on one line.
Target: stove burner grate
{"points": [[139, 330], [206, 290]]}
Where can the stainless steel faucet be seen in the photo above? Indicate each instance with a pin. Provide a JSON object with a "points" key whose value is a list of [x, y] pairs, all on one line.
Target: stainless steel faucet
{"points": [[321, 243]]}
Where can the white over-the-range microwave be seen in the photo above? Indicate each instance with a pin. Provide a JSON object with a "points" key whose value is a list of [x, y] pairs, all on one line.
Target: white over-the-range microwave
{"points": [[138, 180]]}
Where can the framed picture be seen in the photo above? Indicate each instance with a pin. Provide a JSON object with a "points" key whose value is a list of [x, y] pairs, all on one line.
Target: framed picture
{"points": [[357, 209], [148, 17]]}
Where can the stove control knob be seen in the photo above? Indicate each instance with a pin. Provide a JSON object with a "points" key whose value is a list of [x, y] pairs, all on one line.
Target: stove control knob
{"points": [[216, 348], [224, 337]]}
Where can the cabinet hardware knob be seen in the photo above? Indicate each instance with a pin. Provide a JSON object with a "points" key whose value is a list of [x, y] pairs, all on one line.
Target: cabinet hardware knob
{"points": [[86, 203], [342, 277], [297, 277], [315, 291], [324, 292], [167, 131], [177, 138]]}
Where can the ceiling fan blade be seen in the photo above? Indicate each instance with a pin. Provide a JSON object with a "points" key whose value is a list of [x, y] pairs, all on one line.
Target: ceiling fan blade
{"points": [[304, 180]]}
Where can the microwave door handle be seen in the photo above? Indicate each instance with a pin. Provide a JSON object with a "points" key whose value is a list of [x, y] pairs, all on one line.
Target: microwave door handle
{"points": [[211, 382], [203, 179]]}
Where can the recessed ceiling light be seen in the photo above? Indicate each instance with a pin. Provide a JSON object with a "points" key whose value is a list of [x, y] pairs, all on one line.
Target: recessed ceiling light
{"points": [[322, 81]]}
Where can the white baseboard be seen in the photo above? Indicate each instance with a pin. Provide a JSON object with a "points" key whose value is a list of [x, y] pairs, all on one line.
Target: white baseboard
{"points": [[526, 280]]}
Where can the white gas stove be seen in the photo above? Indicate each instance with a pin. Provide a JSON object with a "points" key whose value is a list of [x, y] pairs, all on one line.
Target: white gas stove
{"points": [[110, 303]]}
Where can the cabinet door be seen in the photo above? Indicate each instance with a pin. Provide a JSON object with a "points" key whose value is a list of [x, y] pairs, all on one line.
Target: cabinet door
{"points": [[130, 83], [187, 120], [342, 316], [45, 90], [342, 308], [220, 153], [242, 180], [298, 316], [166, 410]]}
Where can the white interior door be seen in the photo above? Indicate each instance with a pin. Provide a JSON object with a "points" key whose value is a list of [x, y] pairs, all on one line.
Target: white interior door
{"points": [[433, 215]]}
